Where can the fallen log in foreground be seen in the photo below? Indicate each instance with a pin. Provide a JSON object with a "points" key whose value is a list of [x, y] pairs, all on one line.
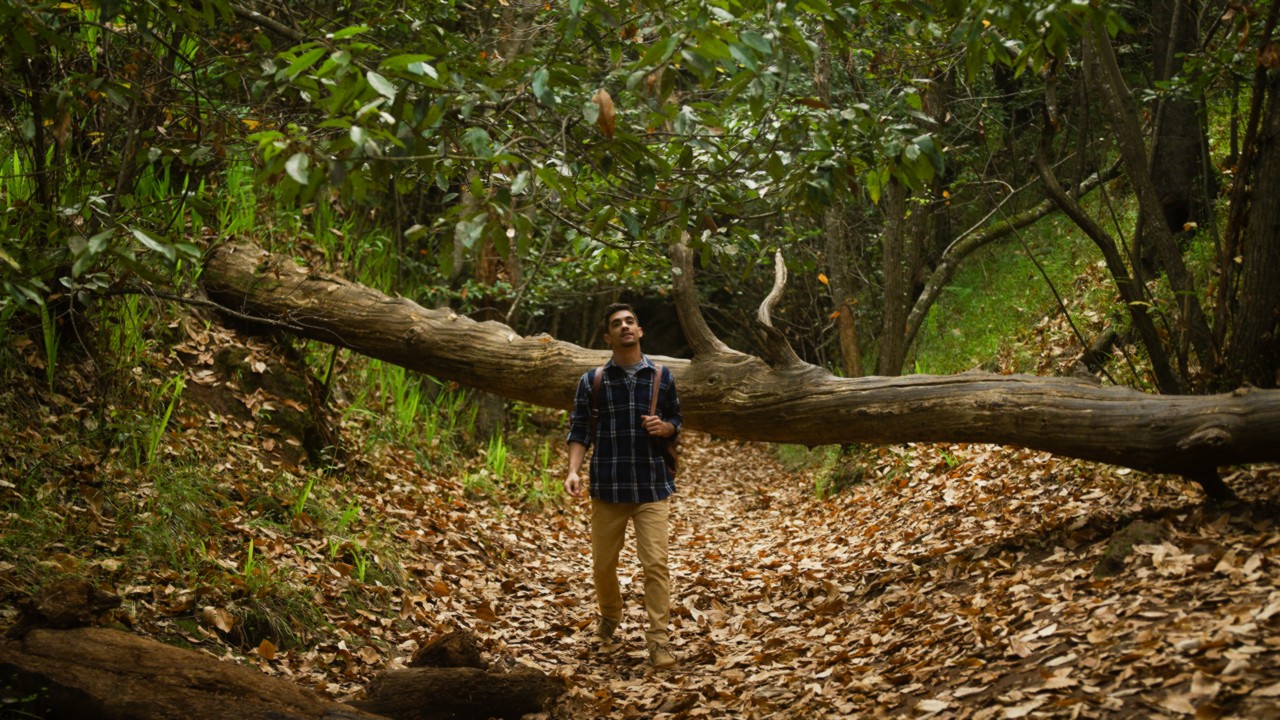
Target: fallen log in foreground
{"points": [[103, 673], [50, 668], [464, 693]]}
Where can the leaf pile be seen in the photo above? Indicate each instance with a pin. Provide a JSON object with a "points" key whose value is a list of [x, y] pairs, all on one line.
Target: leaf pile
{"points": [[961, 583], [958, 581]]}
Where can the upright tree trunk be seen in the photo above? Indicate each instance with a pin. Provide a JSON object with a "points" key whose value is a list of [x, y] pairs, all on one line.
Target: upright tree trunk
{"points": [[900, 257], [1254, 351], [1180, 148], [838, 240]]}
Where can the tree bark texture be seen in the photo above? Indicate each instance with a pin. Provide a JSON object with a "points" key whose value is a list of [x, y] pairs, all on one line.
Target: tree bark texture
{"points": [[1254, 351], [112, 675], [737, 395], [900, 254], [1180, 148], [842, 281], [462, 693]]}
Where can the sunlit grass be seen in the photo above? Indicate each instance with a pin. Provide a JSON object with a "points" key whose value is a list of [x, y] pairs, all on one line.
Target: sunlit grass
{"points": [[999, 292]]}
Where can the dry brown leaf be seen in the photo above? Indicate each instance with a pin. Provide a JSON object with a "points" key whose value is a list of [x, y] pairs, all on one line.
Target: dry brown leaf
{"points": [[1179, 704], [1267, 692], [606, 119], [266, 650], [1023, 710]]}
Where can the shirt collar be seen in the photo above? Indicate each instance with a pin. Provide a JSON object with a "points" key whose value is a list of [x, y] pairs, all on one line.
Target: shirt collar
{"points": [[644, 362]]}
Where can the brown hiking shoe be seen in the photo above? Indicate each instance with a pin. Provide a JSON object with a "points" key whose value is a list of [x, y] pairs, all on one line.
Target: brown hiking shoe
{"points": [[661, 657], [606, 631]]}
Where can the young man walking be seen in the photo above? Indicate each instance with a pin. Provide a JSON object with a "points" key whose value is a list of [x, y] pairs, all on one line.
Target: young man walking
{"points": [[629, 479]]}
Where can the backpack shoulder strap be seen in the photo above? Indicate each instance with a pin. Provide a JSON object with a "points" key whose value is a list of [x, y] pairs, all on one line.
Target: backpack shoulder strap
{"points": [[657, 385], [596, 377]]}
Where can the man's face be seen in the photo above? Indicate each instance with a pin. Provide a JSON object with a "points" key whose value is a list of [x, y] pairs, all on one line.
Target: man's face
{"points": [[623, 330]]}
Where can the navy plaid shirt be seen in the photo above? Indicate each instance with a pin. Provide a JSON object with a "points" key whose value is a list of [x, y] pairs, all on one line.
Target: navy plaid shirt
{"points": [[627, 465]]}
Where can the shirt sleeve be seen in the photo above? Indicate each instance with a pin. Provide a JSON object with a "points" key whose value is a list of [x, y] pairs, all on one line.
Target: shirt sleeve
{"points": [[580, 420]]}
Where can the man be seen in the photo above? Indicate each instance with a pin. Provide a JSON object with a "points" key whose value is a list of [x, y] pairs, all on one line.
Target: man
{"points": [[629, 480]]}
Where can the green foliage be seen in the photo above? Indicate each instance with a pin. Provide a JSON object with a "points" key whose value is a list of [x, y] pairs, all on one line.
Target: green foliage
{"points": [[1000, 289], [50, 334], [155, 432], [496, 456]]}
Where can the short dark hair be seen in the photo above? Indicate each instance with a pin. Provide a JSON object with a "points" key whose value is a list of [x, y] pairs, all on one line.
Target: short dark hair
{"points": [[613, 308]]}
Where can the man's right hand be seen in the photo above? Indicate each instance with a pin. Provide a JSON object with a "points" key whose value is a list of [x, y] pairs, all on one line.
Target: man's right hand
{"points": [[573, 485]]}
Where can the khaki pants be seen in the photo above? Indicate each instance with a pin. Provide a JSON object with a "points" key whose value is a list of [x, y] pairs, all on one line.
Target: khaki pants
{"points": [[608, 530]]}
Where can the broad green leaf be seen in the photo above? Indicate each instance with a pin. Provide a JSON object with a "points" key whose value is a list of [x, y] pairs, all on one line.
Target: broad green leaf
{"points": [[382, 85], [9, 259], [756, 42], [98, 242], [82, 263], [743, 55], [469, 231], [521, 183], [540, 77], [352, 31], [413, 64], [308, 59], [77, 244], [298, 167], [712, 47], [423, 68], [163, 248], [661, 52], [478, 140]]}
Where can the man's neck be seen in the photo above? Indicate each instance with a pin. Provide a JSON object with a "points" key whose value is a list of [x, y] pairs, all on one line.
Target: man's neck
{"points": [[627, 356]]}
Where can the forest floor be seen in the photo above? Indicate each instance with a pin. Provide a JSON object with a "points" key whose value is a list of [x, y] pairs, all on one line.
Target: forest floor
{"points": [[949, 581], [967, 584]]}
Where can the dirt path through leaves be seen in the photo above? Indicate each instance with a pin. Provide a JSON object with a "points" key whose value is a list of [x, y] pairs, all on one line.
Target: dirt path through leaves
{"points": [[961, 582]]}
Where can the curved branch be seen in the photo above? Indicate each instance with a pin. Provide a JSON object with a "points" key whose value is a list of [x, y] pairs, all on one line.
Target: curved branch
{"points": [[971, 241], [267, 23], [1130, 289], [701, 339], [778, 352]]}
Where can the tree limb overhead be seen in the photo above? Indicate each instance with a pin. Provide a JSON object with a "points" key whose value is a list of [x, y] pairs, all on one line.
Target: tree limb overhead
{"points": [[738, 395]]}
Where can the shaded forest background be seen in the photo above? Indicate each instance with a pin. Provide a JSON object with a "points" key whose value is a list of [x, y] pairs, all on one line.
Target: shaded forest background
{"points": [[1011, 186]]}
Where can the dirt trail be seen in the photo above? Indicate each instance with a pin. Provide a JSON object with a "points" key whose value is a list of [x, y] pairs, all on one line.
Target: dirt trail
{"points": [[959, 583]]}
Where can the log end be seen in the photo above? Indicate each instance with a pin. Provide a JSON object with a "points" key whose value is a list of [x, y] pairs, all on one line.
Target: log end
{"points": [[68, 603], [455, 649]]}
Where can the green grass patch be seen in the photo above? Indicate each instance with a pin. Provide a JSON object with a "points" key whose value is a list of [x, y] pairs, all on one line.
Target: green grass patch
{"points": [[999, 291]]}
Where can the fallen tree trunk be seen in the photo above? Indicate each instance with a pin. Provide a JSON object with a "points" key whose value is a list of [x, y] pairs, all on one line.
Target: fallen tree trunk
{"points": [[448, 678], [463, 693], [785, 400], [102, 673]]}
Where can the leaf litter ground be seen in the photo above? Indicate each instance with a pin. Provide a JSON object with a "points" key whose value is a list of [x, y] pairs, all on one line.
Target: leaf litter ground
{"points": [[964, 582], [959, 581]]}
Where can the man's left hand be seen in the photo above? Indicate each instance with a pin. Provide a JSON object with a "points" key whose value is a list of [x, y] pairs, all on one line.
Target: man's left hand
{"points": [[656, 426]]}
